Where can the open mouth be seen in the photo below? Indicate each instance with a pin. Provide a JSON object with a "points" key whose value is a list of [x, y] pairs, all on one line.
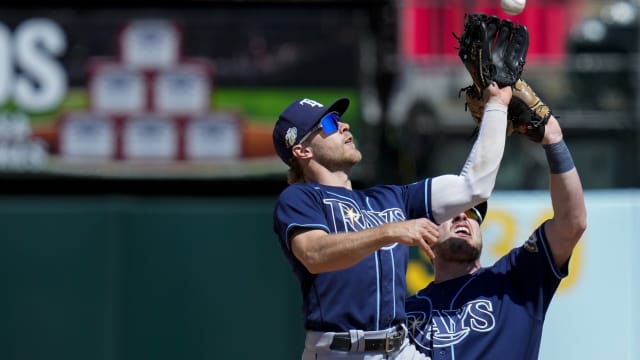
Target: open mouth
{"points": [[462, 229]]}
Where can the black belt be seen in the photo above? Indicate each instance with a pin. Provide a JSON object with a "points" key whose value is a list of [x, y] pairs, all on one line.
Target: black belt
{"points": [[391, 343]]}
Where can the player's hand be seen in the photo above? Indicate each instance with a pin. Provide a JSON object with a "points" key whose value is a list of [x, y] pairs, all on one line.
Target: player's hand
{"points": [[495, 94], [416, 232]]}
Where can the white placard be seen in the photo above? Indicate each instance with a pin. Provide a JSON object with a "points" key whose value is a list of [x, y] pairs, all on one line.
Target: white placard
{"points": [[182, 90], [150, 44], [118, 90], [87, 135], [216, 136], [149, 137]]}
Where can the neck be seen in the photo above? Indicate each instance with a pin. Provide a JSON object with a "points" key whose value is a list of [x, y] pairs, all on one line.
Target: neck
{"points": [[450, 270], [322, 175]]}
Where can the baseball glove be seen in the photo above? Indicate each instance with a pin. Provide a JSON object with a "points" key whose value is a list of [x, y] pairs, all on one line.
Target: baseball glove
{"points": [[492, 49], [527, 114]]}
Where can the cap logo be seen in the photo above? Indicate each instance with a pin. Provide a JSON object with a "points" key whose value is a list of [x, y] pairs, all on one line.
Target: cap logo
{"points": [[310, 102], [290, 137]]}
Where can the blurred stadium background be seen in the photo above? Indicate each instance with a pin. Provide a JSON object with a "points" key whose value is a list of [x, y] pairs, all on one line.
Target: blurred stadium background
{"points": [[137, 175]]}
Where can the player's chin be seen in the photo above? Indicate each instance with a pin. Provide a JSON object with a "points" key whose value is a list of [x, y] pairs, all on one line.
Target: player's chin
{"points": [[355, 156], [457, 249]]}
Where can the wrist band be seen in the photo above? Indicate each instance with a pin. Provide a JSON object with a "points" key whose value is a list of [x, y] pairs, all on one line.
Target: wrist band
{"points": [[558, 157]]}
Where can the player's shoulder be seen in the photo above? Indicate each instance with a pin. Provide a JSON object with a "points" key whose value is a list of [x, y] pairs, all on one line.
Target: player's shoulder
{"points": [[302, 189], [393, 188], [296, 187], [421, 294]]}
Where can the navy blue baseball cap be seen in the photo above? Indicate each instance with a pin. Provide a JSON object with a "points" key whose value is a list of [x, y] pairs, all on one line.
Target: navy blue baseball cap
{"points": [[298, 119], [480, 210]]}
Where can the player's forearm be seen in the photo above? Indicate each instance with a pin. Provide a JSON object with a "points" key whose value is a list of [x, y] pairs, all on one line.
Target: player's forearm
{"points": [[321, 252], [570, 215], [564, 183], [481, 167], [454, 194]]}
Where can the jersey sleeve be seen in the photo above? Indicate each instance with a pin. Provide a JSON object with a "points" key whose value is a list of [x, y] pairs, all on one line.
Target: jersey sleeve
{"points": [[417, 197], [534, 275], [298, 206]]}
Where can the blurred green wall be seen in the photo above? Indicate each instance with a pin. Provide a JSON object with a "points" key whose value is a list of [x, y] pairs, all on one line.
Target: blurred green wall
{"points": [[117, 277]]}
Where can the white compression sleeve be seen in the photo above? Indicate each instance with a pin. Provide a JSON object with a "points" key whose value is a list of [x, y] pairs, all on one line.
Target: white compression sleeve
{"points": [[453, 194]]}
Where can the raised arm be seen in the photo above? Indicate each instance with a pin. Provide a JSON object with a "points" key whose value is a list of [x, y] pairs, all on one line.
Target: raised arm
{"points": [[453, 194], [569, 211]]}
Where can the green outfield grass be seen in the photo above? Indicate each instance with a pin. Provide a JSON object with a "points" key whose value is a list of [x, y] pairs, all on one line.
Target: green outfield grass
{"points": [[262, 105]]}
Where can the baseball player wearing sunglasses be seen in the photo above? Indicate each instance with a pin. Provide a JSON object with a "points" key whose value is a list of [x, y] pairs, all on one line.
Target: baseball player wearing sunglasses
{"points": [[349, 248]]}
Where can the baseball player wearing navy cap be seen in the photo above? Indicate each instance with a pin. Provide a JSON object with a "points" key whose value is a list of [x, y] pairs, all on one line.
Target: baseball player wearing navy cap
{"points": [[349, 248], [497, 312]]}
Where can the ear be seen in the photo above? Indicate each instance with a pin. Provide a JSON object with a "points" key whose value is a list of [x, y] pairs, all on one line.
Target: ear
{"points": [[302, 152]]}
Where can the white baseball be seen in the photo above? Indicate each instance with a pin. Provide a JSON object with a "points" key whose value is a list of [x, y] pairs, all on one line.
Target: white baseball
{"points": [[512, 7]]}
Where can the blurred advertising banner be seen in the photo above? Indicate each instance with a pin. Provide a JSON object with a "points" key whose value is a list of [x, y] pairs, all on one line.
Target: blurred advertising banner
{"points": [[176, 91]]}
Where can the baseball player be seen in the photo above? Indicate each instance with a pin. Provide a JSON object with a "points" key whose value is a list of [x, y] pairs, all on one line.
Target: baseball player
{"points": [[497, 312], [349, 248]]}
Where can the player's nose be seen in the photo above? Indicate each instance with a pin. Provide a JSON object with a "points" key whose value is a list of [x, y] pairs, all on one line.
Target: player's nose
{"points": [[460, 216]]}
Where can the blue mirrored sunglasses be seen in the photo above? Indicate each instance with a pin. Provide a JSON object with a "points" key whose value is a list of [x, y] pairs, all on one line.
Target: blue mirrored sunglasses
{"points": [[328, 124]]}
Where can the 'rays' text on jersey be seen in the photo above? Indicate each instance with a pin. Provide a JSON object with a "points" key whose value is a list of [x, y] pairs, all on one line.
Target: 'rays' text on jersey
{"points": [[449, 327], [349, 217]]}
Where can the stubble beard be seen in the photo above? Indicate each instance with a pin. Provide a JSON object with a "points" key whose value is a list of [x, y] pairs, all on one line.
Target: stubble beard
{"points": [[343, 160], [457, 250]]}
